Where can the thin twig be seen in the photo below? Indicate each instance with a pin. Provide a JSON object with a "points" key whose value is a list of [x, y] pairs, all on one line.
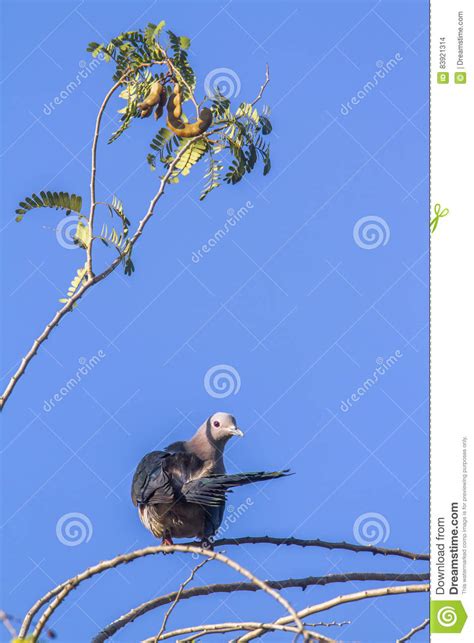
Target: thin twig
{"points": [[217, 588], [341, 600], [178, 595], [95, 140], [203, 633], [328, 624], [414, 630], [5, 619], [262, 88], [301, 542], [61, 591], [217, 628]]}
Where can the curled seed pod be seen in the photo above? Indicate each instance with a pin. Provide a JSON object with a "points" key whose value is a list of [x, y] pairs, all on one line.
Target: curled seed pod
{"points": [[161, 105], [188, 130], [153, 98]]}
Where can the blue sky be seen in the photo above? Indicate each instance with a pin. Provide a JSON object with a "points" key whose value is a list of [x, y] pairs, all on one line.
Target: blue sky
{"points": [[290, 301]]}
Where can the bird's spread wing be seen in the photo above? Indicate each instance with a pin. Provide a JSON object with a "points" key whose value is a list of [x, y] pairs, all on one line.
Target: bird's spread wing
{"points": [[212, 489], [161, 475], [151, 482]]}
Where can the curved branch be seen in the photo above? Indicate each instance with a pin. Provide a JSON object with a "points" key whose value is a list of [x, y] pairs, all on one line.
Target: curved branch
{"points": [[218, 588], [61, 591], [300, 542], [341, 600], [203, 633], [69, 305], [95, 141], [413, 631], [223, 628]]}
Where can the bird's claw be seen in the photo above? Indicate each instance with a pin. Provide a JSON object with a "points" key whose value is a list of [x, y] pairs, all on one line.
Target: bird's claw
{"points": [[167, 541]]}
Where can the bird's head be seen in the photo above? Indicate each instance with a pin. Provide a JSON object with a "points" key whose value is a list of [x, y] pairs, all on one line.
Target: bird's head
{"points": [[223, 426]]}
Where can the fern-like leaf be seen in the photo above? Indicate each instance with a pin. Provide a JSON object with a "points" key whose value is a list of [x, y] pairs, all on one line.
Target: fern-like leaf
{"points": [[192, 155], [57, 200], [163, 143], [211, 177], [78, 279]]}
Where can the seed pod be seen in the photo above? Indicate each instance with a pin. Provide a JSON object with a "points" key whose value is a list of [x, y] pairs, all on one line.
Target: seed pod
{"points": [[188, 130], [153, 98], [159, 108], [176, 102]]}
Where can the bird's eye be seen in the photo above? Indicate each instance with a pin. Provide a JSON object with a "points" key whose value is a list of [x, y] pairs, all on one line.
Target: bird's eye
{"points": [[216, 424]]}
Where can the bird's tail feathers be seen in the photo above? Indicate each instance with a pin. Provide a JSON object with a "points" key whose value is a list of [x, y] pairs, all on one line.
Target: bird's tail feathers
{"points": [[212, 489], [238, 479]]}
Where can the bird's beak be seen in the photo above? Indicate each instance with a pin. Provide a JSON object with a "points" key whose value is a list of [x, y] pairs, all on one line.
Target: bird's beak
{"points": [[236, 431]]}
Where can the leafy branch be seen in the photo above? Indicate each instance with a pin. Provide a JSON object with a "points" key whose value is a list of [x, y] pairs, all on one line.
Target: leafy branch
{"points": [[230, 142]]}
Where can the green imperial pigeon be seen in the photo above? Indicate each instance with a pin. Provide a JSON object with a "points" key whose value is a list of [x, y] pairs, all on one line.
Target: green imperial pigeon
{"points": [[181, 491]]}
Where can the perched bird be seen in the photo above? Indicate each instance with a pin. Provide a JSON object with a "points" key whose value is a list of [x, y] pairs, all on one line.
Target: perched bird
{"points": [[181, 491]]}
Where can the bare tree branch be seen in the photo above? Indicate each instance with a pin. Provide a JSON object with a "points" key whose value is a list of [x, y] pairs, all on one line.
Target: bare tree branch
{"points": [[61, 591], [414, 630], [5, 619], [300, 542], [178, 595], [57, 595], [262, 88], [341, 600], [328, 624], [228, 588], [93, 204], [223, 628], [201, 634]]}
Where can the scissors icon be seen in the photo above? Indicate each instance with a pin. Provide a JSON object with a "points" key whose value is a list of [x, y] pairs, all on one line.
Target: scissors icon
{"points": [[438, 215]]}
